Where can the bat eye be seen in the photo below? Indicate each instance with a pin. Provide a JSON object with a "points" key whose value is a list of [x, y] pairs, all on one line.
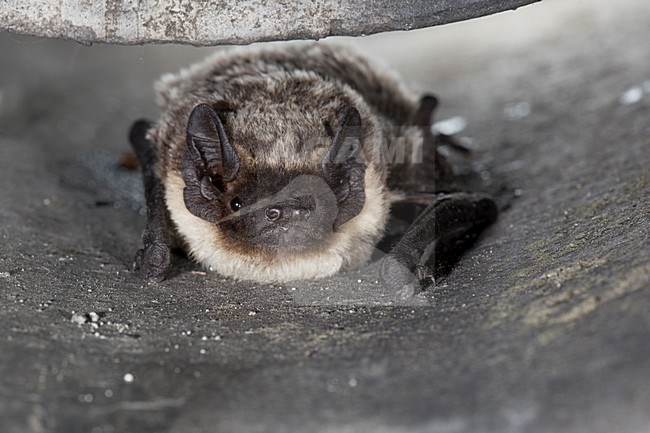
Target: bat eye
{"points": [[235, 204]]}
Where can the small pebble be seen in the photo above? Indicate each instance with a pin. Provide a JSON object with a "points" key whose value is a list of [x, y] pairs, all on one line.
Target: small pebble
{"points": [[78, 318]]}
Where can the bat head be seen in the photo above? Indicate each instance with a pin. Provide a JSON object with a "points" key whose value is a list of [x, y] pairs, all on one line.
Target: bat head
{"points": [[272, 207]]}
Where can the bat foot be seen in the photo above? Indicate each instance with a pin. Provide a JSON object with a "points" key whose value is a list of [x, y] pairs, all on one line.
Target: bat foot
{"points": [[398, 278], [153, 261]]}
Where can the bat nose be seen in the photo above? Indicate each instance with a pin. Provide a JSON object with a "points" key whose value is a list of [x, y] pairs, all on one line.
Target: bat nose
{"points": [[273, 213], [296, 210]]}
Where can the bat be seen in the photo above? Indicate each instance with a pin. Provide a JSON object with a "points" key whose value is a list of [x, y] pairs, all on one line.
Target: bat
{"points": [[283, 163]]}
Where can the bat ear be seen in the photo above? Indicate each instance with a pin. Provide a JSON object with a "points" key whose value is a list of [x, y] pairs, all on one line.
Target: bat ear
{"points": [[209, 152], [344, 168], [347, 140], [209, 162]]}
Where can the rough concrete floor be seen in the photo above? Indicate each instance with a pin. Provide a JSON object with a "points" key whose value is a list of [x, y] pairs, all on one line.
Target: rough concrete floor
{"points": [[543, 326]]}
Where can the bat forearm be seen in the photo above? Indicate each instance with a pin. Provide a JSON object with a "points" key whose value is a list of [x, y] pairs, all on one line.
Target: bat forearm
{"points": [[154, 260]]}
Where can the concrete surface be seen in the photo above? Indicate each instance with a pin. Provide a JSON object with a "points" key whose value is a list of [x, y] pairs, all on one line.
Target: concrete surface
{"points": [[543, 326], [232, 21]]}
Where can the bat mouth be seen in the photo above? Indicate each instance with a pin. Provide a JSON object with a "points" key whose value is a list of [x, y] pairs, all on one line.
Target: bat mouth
{"points": [[293, 236]]}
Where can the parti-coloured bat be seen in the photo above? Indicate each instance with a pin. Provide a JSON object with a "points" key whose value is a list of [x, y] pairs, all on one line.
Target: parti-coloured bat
{"points": [[279, 164]]}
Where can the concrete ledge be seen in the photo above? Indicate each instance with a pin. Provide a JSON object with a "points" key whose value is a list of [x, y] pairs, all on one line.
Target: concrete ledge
{"points": [[231, 21]]}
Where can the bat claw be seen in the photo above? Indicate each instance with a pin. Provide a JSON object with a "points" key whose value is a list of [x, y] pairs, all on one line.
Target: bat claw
{"points": [[153, 261], [423, 273]]}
